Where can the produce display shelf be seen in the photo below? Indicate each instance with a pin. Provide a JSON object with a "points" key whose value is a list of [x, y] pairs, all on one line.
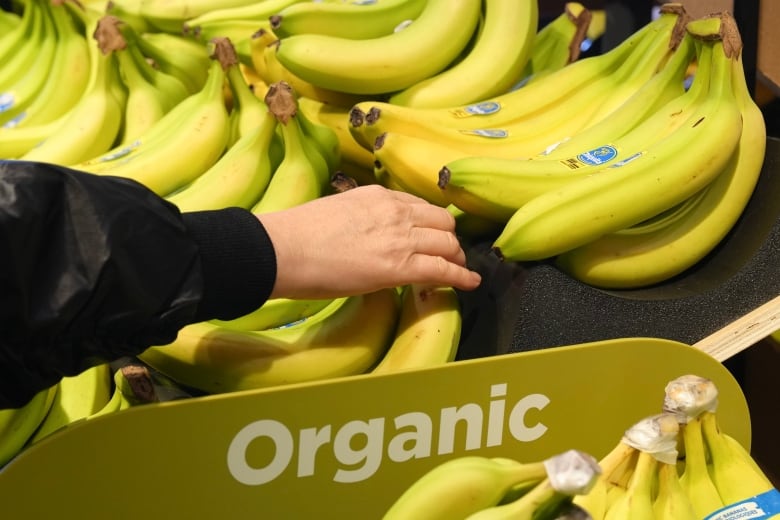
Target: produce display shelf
{"points": [[347, 448]]}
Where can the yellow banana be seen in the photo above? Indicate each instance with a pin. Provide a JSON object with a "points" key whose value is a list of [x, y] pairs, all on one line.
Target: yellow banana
{"points": [[557, 44], [77, 397], [639, 257], [8, 22], [499, 53], [671, 501], [35, 44], [23, 85], [199, 124], [536, 98], [387, 63], [92, 126], [17, 425], [616, 467], [257, 13], [346, 338], [571, 473], [637, 502], [624, 194], [248, 110], [275, 312], [695, 479], [302, 174], [174, 54], [428, 332], [461, 486], [71, 67], [170, 15], [733, 470], [355, 20]]}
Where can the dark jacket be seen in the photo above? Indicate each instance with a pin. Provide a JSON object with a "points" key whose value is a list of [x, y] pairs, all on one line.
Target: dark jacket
{"points": [[94, 267]]}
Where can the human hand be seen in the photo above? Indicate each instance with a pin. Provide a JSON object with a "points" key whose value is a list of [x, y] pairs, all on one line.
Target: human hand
{"points": [[362, 240]]}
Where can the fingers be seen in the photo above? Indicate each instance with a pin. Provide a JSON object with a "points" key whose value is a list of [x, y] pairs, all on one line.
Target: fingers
{"points": [[436, 269], [435, 242]]}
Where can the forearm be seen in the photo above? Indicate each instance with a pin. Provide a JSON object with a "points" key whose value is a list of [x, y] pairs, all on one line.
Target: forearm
{"points": [[94, 268]]}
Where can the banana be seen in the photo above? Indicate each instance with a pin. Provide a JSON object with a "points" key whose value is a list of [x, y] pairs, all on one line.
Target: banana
{"points": [[413, 164], [276, 312], [387, 63], [70, 66], [256, 13], [616, 467], [129, 11], [651, 113], [624, 194], [557, 44], [78, 397], [170, 15], [671, 501], [500, 52], [733, 470], [17, 59], [428, 332], [323, 137], [346, 338], [695, 479], [461, 486], [92, 126], [570, 474], [21, 86], [637, 257], [302, 174], [17, 425], [179, 56], [337, 119], [536, 98], [274, 71], [248, 111], [8, 22], [355, 20], [637, 502], [199, 123], [238, 178]]}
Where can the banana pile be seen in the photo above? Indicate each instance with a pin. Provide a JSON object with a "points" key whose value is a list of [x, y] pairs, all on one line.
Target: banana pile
{"points": [[674, 465]]}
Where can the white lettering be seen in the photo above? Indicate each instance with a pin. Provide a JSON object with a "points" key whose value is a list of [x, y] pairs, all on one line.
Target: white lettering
{"points": [[420, 437], [517, 426], [236, 455], [370, 454], [310, 441], [471, 413]]}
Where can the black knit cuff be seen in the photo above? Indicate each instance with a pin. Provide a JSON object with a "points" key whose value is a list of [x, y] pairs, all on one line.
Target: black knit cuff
{"points": [[238, 261]]}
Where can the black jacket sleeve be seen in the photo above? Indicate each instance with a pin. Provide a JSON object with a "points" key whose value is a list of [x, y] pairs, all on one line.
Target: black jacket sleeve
{"points": [[94, 267]]}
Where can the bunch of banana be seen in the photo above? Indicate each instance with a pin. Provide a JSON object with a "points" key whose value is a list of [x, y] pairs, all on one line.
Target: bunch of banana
{"points": [[626, 193], [18, 425], [198, 123], [174, 54], [168, 16], [478, 487], [665, 246], [718, 475], [346, 337]]}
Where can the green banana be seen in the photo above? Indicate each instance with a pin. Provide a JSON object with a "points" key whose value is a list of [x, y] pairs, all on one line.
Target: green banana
{"points": [[25, 51], [199, 123], [18, 425], [8, 21], [345, 338], [177, 55], [387, 63], [461, 486], [354, 20], [635, 258], [170, 15], [428, 331], [78, 397], [500, 52], [624, 194], [256, 13]]}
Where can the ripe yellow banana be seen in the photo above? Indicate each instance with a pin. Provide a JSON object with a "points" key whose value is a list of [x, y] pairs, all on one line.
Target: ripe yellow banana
{"points": [[78, 397], [170, 15], [624, 194], [355, 20], [496, 187], [199, 124], [71, 67], [538, 97], [428, 332], [461, 486], [247, 110], [734, 472], [17, 425], [571, 473], [276, 312], [557, 44], [302, 175], [640, 257], [499, 53], [616, 467], [671, 501], [92, 126], [257, 13], [637, 502], [346, 338], [695, 479], [387, 63]]}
